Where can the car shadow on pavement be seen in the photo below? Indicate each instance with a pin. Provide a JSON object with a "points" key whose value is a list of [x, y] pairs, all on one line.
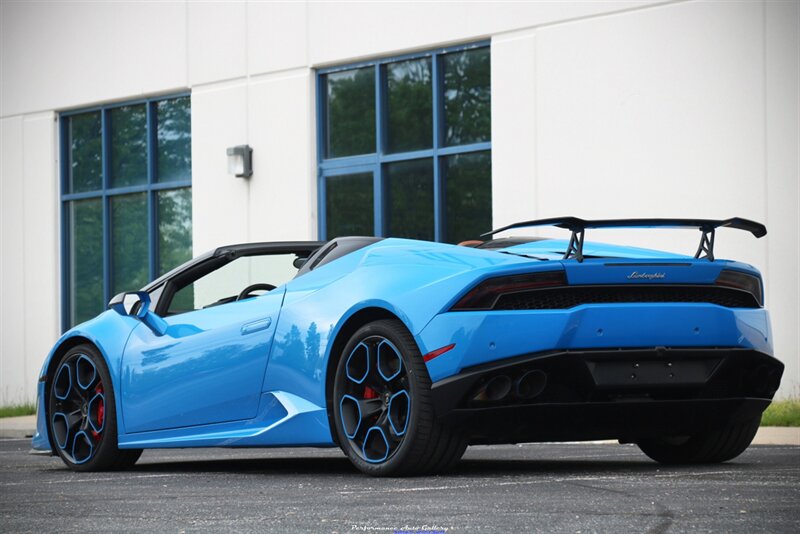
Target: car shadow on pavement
{"points": [[472, 467], [465, 468], [271, 465]]}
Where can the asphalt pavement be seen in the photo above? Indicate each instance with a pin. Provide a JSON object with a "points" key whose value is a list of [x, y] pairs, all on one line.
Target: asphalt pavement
{"points": [[575, 488]]}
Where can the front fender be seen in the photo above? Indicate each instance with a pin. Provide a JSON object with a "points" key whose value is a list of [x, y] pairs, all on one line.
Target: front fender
{"points": [[109, 332]]}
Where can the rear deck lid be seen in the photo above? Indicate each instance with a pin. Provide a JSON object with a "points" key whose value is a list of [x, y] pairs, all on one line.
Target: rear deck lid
{"points": [[625, 271]]}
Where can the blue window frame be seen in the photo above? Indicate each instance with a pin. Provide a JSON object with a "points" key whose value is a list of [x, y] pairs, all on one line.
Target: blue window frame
{"points": [[125, 199], [404, 145]]}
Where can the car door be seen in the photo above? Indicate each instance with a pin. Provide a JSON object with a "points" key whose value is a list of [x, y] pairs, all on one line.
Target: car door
{"points": [[209, 365]]}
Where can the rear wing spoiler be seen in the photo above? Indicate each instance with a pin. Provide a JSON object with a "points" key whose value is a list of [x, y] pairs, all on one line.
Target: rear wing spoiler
{"points": [[578, 227]]}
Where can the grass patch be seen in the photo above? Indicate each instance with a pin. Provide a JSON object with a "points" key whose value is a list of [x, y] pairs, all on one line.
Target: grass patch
{"points": [[16, 410], [779, 413], [782, 413]]}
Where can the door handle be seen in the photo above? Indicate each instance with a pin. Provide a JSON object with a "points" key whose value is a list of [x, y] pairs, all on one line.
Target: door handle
{"points": [[256, 326]]}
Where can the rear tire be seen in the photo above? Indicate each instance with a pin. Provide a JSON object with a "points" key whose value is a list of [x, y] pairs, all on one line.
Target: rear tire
{"points": [[713, 446], [382, 436], [81, 413]]}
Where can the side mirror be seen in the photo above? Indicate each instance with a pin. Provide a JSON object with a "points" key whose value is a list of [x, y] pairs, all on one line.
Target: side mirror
{"points": [[137, 304]]}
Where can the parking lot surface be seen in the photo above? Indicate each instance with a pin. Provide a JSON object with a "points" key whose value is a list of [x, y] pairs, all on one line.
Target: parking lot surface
{"points": [[525, 488]]}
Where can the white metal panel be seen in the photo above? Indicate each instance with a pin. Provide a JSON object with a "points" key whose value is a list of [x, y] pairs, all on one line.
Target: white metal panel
{"points": [[341, 31], [12, 267], [40, 246], [783, 185], [219, 200], [217, 41], [283, 152], [276, 36], [655, 112], [57, 55], [46, 76], [149, 47], [513, 129]]}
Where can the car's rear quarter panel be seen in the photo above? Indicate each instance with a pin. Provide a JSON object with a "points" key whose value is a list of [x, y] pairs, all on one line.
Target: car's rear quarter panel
{"points": [[412, 280]]}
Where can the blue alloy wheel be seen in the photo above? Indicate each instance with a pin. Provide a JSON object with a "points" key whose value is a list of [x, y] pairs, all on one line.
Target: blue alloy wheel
{"points": [[375, 406], [80, 413], [382, 410]]}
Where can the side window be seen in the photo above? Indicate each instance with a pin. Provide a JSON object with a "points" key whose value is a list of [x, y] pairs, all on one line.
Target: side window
{"points": [[224, 285]]}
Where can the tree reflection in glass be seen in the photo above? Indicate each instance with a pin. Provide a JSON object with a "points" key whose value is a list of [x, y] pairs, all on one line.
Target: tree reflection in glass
{"points": [[128, 145], [129, 242], [467, 97], [85, 147], [351, 112], [174, 138], [410, 105], [175, 237], [409, 205], [468, 194], [348, 205], [174, 228], [86, 259]]}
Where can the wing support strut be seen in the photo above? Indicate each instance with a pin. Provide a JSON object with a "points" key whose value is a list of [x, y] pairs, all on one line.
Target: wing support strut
{"points": [[575, 247], [706, 247]]}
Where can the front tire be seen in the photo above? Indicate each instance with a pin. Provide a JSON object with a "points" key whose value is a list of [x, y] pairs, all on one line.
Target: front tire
{"points": [[81, 413], [383, 412], [712, 446]]}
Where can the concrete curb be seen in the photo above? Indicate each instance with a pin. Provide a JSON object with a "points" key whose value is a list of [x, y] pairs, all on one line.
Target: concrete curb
{"points": [[17, 427], [777, 435], [24, 427]]}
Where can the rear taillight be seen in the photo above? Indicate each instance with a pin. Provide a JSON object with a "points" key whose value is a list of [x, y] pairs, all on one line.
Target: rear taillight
{"points": [[485, 295], [742, 281]]}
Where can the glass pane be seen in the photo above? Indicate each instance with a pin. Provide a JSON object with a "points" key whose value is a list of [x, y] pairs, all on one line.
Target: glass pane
{"points": [[128, 146], [224, 285], [174, 228], [129, 250], [468, 196], [349, 205], [85, 149], [410, 100], [409, 203], [86, 259], [174, 139], [467, 102], [351, 112]]}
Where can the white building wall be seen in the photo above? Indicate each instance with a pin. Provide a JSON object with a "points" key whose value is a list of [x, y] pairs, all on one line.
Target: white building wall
{"points": [[782, 169], [12, 366], [599, 109]]}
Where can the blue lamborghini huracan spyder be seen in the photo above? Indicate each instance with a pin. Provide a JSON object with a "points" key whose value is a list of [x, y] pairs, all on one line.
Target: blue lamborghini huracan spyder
{"points": [[405, 352]]}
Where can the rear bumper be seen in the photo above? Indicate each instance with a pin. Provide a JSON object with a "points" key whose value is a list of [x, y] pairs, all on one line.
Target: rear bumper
{"points": [[607, 394], [482, 337]]}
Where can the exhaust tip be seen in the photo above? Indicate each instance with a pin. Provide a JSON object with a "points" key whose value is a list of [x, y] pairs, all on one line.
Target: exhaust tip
{"points": [[495, 389], [531, 384]]}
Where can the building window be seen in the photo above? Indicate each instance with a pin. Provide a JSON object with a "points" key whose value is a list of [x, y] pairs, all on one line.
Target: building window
{"points": [[126, 175], [404, 146]]}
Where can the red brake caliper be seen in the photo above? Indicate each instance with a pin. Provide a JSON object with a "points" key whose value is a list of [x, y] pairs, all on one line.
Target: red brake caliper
{"points": [[370, 393], [101, 411]]}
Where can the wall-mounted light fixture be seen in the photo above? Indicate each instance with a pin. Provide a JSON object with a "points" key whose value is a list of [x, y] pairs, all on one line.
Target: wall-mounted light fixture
{"points": [[240, 161]]}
